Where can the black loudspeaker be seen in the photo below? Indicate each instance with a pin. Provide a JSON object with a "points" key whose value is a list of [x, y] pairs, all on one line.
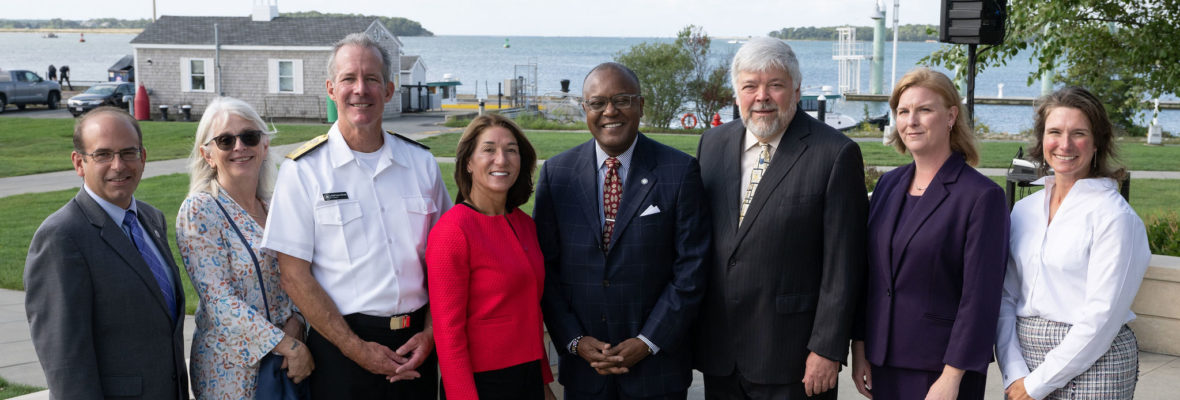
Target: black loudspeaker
{"points": [[973, 21]]}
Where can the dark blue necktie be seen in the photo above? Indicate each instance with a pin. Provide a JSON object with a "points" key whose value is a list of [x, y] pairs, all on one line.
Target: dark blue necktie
{"points": [[158, 271]]}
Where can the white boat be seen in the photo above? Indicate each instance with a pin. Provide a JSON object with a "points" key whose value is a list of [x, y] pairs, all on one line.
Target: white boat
{"points": [[809, 103]]}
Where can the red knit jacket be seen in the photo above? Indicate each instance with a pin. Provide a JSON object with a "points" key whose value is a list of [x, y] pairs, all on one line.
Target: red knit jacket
{"points": [[485, 276]]}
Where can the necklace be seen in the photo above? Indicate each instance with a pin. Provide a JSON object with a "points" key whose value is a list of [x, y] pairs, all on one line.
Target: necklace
{"points": [[258, 216]]}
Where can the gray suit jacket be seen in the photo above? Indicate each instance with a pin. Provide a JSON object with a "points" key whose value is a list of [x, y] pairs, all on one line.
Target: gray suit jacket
{"points": [[98, 320], [786, 281]]}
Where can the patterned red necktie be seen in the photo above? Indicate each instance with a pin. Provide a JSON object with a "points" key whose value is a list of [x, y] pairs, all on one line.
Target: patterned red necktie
{"points": [[612, 190]]}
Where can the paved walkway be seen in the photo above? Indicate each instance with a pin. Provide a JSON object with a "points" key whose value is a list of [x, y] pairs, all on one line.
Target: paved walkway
{"points": [[1159, 375]]}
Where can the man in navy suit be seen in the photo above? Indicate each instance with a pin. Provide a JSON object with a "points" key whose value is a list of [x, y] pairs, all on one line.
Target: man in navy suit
{"points": [[624, 233]]}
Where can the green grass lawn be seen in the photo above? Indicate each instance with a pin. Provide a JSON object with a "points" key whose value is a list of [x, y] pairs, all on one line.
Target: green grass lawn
{"points": [[20, 216], [550, 143], [9, 390], [31, 145], [1151, 198]]}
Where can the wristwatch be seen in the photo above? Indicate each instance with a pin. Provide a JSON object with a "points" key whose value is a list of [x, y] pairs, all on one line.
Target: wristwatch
{"points": [[574, 345]]}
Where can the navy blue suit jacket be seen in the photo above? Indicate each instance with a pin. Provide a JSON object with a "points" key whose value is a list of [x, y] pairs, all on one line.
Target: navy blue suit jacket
{"points": [[934, 297], [650, 281]]}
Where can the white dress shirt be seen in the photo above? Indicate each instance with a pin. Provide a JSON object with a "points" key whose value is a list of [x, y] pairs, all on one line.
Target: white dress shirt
{"points": [[116, 213], [750, 152], [363, 228], [600, 157], [1083, 269]]}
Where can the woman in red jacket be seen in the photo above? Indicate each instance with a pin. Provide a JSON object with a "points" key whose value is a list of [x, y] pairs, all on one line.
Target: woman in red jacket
{"points": [[486, 274]]}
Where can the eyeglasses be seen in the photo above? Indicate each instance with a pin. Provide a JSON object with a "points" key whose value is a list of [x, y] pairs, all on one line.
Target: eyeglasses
{"points": [[621, 102], [226, 141], [103, 157]]}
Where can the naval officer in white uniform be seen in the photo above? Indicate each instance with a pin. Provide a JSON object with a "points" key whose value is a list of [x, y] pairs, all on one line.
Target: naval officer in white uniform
{"points": [[349, 219]]}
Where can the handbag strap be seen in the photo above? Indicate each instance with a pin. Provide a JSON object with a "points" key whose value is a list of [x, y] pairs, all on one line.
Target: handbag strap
{"points": [[257, 268]]}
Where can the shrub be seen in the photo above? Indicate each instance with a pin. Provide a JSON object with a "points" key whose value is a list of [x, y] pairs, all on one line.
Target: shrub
{"points": [[1163, 234], [872, 175]]}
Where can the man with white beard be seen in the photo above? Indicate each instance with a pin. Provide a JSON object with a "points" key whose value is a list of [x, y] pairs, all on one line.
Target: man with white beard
{"points": [[789, 209]]}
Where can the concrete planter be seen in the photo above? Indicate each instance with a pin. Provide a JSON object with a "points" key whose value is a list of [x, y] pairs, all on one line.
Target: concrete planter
{"points": [[1157, 307]]}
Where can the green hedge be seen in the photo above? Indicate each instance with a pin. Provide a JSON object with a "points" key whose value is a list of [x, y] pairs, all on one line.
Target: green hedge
{"points": [[1163, 233]]}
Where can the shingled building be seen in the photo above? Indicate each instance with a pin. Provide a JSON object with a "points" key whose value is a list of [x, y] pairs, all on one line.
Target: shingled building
{"points": [[277, 64]]}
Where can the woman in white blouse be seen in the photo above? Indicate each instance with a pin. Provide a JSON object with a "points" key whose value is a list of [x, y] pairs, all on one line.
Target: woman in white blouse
{"points": [[1078, 254]]}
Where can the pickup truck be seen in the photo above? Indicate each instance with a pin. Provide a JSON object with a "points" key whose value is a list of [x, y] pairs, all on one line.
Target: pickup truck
{"points": [[21, 87]]}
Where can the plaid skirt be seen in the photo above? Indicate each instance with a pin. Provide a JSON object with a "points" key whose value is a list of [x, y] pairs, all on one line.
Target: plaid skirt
{"points": [[1112, 376]]}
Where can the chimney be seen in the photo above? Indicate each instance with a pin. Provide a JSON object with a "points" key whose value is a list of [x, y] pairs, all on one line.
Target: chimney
{"points": [[265, 10]]}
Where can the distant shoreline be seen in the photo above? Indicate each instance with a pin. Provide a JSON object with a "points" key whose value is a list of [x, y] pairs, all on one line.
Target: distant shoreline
{"points": [[72, 30]]}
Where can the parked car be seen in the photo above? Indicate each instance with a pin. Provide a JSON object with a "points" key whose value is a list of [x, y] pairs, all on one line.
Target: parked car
{"points": [[22, 87], [110, 94]]}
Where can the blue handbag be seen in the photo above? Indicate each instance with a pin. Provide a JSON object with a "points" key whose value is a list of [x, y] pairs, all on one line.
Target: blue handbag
{"points": [[273, 383]]}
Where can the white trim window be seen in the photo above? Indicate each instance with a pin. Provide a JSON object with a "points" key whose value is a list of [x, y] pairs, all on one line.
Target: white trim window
{"points": [[285, 76], [196, 75]]}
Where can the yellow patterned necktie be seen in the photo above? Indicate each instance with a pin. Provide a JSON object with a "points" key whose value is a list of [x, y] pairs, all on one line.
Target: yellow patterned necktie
{"points": [[755, 177]]}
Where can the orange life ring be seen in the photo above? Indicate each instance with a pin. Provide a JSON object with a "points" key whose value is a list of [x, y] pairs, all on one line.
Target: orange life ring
{"points": [[686, 117]]}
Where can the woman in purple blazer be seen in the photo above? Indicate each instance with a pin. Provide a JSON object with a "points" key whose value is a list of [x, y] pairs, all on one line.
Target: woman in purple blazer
{"points": [[937, 248]]}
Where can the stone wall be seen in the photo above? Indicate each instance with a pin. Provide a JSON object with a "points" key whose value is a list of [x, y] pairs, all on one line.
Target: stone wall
{"points": [[1157, 307]]}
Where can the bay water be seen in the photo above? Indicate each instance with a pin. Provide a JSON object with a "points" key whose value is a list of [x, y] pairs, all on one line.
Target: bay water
{"points": [[481, 62]]}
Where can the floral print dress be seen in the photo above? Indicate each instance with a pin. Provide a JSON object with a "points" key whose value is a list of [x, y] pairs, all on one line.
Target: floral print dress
{"points": [[232, 333]]}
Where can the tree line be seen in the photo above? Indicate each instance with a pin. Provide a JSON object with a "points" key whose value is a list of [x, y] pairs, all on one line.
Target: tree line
{"points": [[397, 25], [907, 33], [678, 73], [58, 23]]}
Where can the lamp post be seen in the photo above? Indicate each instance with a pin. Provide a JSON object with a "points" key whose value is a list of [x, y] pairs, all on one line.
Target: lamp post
{"points": [[893, 75]]}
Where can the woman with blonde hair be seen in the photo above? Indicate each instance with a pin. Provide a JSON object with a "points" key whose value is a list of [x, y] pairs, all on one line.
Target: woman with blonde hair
{"points": [[243, 315], [937, 244]]}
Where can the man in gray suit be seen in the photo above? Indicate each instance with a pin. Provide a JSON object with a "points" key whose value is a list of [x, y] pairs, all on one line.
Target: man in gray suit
{"points": [[789, 209], [103, 293]]}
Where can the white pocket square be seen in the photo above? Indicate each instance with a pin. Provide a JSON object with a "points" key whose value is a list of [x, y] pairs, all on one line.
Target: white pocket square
{"points": [[652, 209]]}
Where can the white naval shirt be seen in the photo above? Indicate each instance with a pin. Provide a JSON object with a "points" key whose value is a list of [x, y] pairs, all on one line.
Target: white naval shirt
{"points": [[363, 229], [1083, 269]]}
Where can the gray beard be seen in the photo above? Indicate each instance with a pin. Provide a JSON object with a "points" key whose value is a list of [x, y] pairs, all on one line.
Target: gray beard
{"points": [[764, 129]]}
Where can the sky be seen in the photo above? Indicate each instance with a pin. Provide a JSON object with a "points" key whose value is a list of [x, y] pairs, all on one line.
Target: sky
{"points": [[611, 18]]}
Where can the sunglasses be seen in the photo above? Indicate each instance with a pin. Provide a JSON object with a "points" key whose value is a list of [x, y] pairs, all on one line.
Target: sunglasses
{"points": [[226, 141]]}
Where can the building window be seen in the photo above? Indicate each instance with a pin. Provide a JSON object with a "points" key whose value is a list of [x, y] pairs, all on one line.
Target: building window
{"points": [[286, 76], [196, 75]]}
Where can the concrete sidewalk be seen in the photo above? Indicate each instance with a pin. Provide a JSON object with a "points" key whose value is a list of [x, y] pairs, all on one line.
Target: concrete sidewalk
{"points": [[1159, 375]]}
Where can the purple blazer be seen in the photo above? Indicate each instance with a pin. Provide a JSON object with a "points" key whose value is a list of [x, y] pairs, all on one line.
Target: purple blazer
{"points": [[934, 297]]}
